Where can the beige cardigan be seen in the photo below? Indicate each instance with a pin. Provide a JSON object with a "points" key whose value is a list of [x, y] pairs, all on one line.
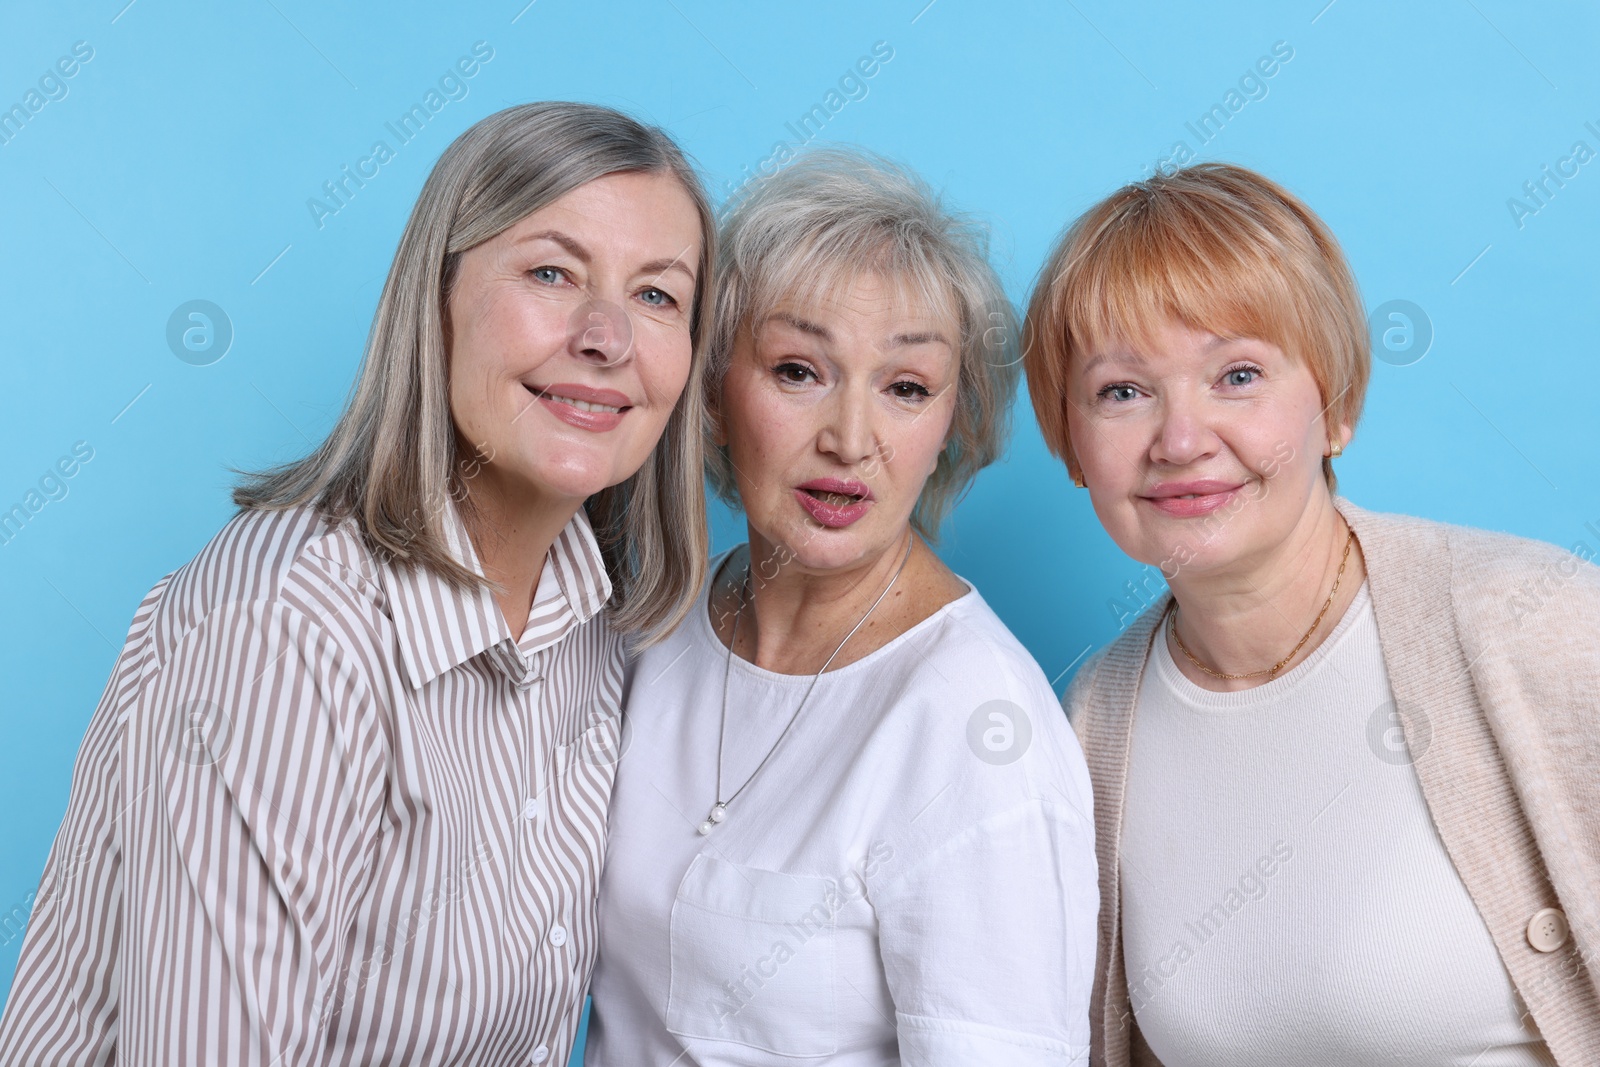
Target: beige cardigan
{"points": [[1493, 649]]}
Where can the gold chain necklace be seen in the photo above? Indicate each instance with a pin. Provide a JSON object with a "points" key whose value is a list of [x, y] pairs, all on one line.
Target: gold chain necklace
{"points": [[1271, 671]]}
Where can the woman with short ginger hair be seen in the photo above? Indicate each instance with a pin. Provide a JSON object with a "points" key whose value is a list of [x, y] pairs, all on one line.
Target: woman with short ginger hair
{"points": [[1347, 781]]}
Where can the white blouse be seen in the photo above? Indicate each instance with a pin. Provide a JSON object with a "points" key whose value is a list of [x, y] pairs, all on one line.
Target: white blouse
{"points": [[910, 879]]}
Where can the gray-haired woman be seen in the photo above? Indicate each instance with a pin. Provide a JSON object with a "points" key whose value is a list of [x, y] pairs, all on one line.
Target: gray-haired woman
{"points": [[344, 798], [851, 824]]}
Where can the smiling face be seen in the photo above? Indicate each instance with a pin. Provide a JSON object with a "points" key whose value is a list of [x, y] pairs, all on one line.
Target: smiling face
{"points": [[1200, 454], [834, 414], [569, 339]]}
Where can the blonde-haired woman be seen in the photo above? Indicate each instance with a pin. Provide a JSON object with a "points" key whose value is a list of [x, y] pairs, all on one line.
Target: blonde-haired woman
{"points": [[344, 798], [852, 825], [1347, 780]]}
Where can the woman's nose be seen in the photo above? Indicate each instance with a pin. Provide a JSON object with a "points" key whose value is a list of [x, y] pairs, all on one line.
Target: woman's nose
{"points": [[600, 333], [1182, 436], [847, 432]]}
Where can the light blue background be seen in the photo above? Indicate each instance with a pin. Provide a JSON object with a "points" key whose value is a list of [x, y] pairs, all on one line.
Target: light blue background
{"points": [[180, 162]]}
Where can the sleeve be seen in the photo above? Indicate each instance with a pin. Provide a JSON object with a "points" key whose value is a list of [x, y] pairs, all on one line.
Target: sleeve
{"points": [[62, 1006], [1527, 616], [224, 824], [988, 942]]}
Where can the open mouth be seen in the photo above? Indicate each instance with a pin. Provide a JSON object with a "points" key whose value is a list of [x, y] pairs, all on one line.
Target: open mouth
{"points": [[835, 500], [581, 405]]}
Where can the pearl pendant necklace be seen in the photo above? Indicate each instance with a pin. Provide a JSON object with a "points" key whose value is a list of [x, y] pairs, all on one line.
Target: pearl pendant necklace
{"points": [[719, 810]]}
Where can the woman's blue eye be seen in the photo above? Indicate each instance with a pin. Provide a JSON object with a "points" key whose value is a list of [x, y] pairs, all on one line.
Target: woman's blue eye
{"points": [[656, 298], [1241, 375], [1121, 393], [548, 275]]}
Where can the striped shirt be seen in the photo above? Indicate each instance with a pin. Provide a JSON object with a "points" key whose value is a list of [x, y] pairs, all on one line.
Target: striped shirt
{"points": [[328, 811]]}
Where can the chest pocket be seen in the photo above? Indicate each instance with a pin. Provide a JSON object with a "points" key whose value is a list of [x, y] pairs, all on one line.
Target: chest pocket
{"points": [[753, 959]]}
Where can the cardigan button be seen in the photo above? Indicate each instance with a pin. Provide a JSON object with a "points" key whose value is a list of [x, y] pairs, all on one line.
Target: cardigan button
{"points": [[1547, 930]]}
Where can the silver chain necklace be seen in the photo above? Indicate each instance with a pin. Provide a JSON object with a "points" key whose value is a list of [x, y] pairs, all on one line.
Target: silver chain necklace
{"points": [[719, 810]]}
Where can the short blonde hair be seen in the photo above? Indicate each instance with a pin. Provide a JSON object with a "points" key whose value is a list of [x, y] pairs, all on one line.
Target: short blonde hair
{"points": [[809, 231], [391, 461], [1219, 248]]}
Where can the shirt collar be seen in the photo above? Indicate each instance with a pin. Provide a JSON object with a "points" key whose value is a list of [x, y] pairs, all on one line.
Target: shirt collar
{"points": [[441, 627]]}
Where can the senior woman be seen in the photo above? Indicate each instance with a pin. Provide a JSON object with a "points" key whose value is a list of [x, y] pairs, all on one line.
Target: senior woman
{"points": [[1347, 780], [344, 798], [851, 825]]}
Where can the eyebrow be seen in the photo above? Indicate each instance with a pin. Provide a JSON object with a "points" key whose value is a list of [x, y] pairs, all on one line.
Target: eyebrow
{"points": [[803, 325], [658, 267], [926, 337], [899, 340], [575, 248], [1137, 360], [1120, 357]]}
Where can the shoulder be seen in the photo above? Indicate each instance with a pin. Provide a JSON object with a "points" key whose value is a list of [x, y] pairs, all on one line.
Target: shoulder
{"points": [[291, 562], [1411, 534], [965, 677], [1474, 553], [1102, 692], [267, 634], [1075, 701], [967, 651], [1485, 561], [1494, 578], [231, 617], [1522, 595], [971, 744]]}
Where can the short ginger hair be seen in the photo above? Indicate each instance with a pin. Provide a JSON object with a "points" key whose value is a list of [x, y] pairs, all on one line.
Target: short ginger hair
{"points": [[1217, 247]]}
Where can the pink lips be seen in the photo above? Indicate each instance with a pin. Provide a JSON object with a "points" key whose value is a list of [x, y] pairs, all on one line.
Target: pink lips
{"points": [[835, 516], [556, 400], [1188, 500]]}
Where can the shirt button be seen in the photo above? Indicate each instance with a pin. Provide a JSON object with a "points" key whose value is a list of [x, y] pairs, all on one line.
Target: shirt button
{"points": [[540, 1054], [1547, 930], [558, 936], [530, 810]]}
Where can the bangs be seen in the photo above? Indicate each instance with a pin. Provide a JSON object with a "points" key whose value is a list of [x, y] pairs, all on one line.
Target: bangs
{"points": [[828, 266], [1155, 261]]}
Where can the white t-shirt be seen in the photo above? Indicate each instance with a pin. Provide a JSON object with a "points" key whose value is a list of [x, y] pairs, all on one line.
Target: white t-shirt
{"points": [[1286, 898], [910, 879]]}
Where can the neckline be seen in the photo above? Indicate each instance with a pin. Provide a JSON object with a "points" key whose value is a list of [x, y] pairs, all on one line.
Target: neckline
{"points": [[1180, 686], [703, 622]]}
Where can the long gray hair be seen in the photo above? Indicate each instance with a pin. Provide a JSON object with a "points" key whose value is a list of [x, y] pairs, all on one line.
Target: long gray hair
{"points": [[392, 459]]}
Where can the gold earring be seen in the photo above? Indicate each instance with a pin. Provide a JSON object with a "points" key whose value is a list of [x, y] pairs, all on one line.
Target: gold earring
{"points": [[1077, 480], [1335, 450]]}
